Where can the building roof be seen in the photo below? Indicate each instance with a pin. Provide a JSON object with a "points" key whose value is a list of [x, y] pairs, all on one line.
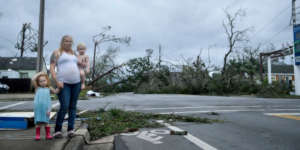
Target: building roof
{"points": [[18, 63]]}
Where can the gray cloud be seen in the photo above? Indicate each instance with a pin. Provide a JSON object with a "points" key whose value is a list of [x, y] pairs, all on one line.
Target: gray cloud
{"points": [[182, 28]]}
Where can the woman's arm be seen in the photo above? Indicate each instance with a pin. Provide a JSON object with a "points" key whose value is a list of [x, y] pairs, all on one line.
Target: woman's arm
{"points": [[53, 61]]}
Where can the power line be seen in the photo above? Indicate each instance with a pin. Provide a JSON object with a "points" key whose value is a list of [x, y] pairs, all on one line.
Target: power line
{"points": [[276, 34], [10, 41], [273, 19], [232, 3]]}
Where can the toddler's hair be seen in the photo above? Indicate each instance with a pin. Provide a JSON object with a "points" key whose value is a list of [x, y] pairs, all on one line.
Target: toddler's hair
{"points": [[81, 45], [37, 76]]}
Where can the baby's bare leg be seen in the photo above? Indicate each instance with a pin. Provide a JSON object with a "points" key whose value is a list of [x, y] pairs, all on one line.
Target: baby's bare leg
{"points": [[82, 78]]}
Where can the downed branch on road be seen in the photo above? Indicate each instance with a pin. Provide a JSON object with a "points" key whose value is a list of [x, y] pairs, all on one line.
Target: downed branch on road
{"points": [[103, 123]]}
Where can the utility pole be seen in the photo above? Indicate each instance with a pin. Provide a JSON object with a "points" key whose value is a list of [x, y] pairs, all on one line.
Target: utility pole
{"points": [[296, 31], [23, 38], [39, 64], [294, 11], [94, 58], [159, 57]]}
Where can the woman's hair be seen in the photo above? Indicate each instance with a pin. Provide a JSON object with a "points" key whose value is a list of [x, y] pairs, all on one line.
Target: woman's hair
{"points": [[81, 45], [37, 77], [62, 42]]}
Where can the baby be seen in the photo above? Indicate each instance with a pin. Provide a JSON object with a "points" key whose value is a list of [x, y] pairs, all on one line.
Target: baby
{"points": [[83, 63]]}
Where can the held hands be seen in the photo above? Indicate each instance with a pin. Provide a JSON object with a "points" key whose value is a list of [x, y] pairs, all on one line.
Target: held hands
{"points": [[57, 90], [59, 85]]}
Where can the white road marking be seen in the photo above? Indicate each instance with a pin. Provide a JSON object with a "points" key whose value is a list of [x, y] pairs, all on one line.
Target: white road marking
{"points": [[22, 114], [285, 109], [55, 105], [150, 137], [237, 110], [271, 114], [199, 142], [191, 138], [67, 114], [160, 131], [207, 111], [82, 112], [12, 105], [192, 107]]}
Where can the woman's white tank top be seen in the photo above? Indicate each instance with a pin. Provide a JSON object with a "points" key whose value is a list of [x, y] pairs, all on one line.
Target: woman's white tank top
{"points": [[67, 69]]}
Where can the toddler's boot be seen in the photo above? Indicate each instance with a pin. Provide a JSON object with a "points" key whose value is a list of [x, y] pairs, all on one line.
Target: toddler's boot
{"points": [[48, 135], [37, 133]]}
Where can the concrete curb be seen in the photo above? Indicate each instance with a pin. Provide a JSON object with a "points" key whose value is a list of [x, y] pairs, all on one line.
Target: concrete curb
{"points": [[81, 141], [78, 141]]}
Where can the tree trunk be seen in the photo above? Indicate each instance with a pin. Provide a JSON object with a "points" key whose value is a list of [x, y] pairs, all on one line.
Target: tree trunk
{"points": [[104, 74]]}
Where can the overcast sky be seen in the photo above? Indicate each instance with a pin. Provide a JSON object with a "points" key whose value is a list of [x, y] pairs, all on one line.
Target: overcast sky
{"points": [[183, 28]]}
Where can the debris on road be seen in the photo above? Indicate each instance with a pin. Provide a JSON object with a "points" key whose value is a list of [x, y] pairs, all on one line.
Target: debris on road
{"points": [[176, 132], [92, 93]]}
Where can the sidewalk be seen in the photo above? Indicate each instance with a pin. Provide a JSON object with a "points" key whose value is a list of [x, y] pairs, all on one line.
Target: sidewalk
{"points": [[24, 139]]}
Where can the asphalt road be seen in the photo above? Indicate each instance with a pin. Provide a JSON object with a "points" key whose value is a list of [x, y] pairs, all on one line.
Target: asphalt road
{"points": [[249, 123]]}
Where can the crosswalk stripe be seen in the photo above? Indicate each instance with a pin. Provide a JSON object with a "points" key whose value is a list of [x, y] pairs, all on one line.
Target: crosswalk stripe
{"points": [[12, 105], [201, 144]]}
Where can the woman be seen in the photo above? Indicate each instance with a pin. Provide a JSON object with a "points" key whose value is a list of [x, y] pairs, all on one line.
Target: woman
{"points": [[67, 78]]}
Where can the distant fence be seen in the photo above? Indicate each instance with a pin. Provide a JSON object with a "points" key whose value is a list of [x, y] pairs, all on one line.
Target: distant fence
{"points": [[17, 85]]}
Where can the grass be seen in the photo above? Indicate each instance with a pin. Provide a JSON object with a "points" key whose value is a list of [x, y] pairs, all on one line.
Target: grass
{"points": [[82, 95], [104, 123]]}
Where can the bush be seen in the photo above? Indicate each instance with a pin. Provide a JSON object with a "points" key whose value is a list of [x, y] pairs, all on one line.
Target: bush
{"points": [[274, 90]]}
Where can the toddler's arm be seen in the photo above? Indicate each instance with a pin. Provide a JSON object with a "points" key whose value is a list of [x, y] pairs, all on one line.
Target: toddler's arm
{"points": [[54, 91]]}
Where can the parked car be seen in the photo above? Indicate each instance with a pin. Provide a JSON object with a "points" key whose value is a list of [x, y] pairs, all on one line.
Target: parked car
{"points": [[4, 88]]}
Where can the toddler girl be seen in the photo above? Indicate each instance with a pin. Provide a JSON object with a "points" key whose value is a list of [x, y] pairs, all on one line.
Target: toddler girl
{"points": [[42, 103]]}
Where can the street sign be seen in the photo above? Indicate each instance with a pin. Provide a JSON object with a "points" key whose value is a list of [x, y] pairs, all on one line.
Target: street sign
{"points": [[297, 44]]}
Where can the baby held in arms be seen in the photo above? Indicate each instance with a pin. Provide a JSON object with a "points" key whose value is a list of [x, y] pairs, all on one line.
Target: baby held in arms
{"points": [[83, 62]]}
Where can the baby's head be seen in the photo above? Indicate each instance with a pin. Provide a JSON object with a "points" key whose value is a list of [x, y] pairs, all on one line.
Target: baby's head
{"points": [[81, 48], [41, 80]]}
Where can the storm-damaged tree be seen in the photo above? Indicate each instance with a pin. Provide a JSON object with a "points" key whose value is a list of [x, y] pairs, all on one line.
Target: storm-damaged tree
{"points": [[104, 37], [194, 76], [107, 57], [139, 69], [27, 39], [105, 68], [235, 36]]}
